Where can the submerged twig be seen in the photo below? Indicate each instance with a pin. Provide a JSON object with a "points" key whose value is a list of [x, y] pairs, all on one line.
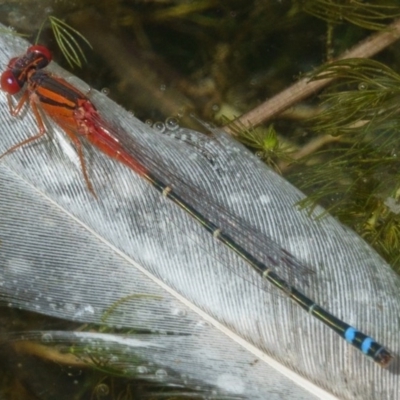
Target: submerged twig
{"points": [[304, 88]]}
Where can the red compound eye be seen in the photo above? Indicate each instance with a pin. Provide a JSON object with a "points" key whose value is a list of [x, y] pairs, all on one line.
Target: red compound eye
{"points": [[44, 51], [9, 83]]}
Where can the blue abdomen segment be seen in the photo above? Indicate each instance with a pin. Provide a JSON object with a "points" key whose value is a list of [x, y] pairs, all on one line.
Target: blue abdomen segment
{"points": [[367, 345]]}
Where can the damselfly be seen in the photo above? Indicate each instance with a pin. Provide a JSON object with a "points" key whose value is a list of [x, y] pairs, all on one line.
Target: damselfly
{"points": [[78, 117]]}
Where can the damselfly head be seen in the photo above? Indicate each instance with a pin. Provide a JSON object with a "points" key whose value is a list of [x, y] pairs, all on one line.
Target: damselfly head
{"points": [[16, 74]]}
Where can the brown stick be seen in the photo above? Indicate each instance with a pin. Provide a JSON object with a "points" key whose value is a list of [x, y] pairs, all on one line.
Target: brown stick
{"points": [[304, 88]]}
